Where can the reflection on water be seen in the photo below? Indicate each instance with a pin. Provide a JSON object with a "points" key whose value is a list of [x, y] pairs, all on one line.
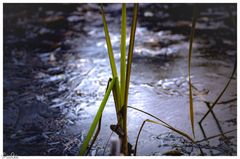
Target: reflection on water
{"points": [[56, 70]]}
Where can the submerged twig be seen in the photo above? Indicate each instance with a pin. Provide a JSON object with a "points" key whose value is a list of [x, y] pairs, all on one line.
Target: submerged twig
{"points": [[215, 118], [220, 95], [211, 137], [228, 101], [203, 132]]}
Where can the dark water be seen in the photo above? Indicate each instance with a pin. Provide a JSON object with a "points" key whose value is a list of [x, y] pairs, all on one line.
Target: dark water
{"points": [[56, 70]]}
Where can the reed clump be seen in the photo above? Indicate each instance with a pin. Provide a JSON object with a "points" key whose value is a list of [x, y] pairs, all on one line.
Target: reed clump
{"points": [[120, 88]]}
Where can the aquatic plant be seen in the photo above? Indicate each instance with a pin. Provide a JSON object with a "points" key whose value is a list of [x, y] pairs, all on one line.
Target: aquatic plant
{"points": [[120, 91]]}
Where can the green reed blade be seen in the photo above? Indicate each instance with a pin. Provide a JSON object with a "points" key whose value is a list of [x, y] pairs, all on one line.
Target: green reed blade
{"points": [[96, 135], [109, 45], [123, 51], [130, 52], [128, 73], [117, 99], [189, 72], [97, 118], [117, 93]]}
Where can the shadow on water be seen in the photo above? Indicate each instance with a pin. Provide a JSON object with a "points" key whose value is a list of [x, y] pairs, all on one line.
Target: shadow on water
{"points": [[56, 70]]}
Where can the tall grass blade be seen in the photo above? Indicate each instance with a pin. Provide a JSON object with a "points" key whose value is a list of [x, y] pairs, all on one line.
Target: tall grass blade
{"points": [[189, 72], [139, 132], [130, 52], [97, 118], [211, 137], [109, 45], [123, 52], [116, 90], [129, 63]]}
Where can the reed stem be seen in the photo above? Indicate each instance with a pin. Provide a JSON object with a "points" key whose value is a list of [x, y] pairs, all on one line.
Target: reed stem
{"points": [[130, 56]]}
